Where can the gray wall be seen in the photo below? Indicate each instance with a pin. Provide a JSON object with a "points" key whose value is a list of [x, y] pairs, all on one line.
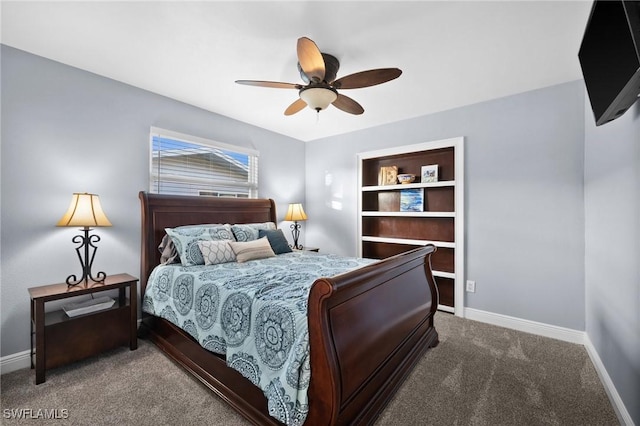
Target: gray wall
{"points": [[524, 200], [612, 249], [65, 130]]}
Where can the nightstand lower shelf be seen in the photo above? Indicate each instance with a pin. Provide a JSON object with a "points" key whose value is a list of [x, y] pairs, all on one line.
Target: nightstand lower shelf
{"points": [[60, 339], [72, 339]]}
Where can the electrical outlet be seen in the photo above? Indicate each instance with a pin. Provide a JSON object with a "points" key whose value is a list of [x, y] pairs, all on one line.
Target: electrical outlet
{"points": [[471, 286]]}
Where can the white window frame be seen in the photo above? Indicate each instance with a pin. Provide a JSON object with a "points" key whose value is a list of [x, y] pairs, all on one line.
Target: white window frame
{"points": [[223, 191]]}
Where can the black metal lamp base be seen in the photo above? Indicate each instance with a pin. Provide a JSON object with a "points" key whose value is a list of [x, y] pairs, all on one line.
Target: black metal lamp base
{"points": [[85, 242], [295, 232]]}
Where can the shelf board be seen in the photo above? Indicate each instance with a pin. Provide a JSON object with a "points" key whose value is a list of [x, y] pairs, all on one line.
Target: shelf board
{"points": [[408, 214], [446, 308], [59, 316], [444, 244], [442, 274], [409, 186]]}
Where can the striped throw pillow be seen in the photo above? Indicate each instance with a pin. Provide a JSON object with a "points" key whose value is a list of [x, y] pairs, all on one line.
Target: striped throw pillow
{"points": [[249, 250]]}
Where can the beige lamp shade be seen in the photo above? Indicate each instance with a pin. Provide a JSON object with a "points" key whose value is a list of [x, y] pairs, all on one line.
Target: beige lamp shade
{"points": [[318, 98], [85, 210], [295, 213]]}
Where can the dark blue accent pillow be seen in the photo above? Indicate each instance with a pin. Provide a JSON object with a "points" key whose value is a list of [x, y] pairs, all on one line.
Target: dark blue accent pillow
{"points": [[278, 241]]}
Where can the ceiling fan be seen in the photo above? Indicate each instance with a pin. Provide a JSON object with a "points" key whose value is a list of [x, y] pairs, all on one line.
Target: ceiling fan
{"points": [[318, 70]]}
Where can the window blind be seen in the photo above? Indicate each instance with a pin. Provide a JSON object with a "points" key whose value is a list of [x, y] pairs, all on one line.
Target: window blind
{"points": [[187, 165]]}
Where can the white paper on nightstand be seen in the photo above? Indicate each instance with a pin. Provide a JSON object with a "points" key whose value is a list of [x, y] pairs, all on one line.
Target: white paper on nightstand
{"points": [[87, 306]]}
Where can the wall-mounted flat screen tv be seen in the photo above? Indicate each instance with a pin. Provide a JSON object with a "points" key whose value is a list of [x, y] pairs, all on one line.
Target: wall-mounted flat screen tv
{"points": [[610, 58]]}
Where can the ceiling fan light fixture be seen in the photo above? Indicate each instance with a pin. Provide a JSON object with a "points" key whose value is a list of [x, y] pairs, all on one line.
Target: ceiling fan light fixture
{"points": [[318, 98]]}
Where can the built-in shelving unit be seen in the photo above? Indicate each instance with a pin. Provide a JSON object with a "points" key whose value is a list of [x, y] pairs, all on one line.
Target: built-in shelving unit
{"points": [[385, 230]]}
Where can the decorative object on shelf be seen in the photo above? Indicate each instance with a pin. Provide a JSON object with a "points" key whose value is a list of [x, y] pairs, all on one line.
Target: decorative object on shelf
{"points": [[85, 211], [388, 175], [430, 173], [295, 213], [406, 178], [411, 200]]}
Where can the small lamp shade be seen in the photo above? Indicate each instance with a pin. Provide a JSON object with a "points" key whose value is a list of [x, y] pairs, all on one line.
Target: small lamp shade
{"points": [[295, 213], [85, 210]]}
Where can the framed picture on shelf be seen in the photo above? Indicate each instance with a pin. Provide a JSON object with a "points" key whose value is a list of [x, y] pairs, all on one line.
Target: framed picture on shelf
{"points": [[429, 173], [411, 200], [388, 175]]}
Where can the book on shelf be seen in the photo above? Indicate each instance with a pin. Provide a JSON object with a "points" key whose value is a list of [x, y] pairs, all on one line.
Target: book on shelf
{"points": [[411, 200]]}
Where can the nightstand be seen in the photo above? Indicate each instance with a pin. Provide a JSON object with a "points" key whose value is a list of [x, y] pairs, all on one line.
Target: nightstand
{"points": [[60, 339], [304, 248]]}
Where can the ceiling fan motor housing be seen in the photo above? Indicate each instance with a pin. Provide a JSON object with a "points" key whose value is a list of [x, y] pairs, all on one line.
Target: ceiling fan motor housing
{"points": [[331, 67]]}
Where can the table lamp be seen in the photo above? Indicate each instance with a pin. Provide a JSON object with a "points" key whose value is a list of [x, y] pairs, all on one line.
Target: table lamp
{"points": [[295, 213], [85, 211]]}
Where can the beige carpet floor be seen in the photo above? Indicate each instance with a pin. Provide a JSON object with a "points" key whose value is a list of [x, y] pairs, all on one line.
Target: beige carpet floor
{"points": [[478, 375]]}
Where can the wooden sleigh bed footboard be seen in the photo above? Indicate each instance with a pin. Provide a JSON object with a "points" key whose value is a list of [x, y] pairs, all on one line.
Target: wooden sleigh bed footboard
{"points": [[367, 328]]}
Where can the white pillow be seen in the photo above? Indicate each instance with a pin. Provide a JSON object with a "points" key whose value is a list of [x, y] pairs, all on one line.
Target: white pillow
{"points": [[249, 250], [216, 251]]}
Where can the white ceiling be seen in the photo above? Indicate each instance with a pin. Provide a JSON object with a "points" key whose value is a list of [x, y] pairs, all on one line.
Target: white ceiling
{"points": [[452, 53]]}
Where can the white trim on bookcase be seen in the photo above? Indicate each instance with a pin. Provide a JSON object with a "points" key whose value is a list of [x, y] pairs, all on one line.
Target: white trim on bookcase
{"points": [[458, 145], [423, 146], [438, 184], [409, 214], [459, 253], [409, 241]]}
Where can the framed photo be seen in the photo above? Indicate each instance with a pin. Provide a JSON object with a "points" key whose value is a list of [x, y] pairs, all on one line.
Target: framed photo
{"points": [[388, 175], [429, 173], [411, 200]]}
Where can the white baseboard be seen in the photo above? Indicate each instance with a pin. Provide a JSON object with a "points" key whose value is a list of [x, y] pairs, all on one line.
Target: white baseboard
{"points": [[527, 326], [15, 362], [564, 334], [614, 396]]}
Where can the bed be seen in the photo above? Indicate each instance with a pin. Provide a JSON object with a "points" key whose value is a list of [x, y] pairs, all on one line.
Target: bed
{"points": [[367, 328]]}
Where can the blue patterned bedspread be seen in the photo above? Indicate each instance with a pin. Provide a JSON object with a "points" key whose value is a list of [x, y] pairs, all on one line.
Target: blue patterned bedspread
{"points": [[254, 313]]}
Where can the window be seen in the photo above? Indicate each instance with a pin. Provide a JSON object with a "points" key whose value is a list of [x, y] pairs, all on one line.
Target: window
{"points": [[187, 165]]}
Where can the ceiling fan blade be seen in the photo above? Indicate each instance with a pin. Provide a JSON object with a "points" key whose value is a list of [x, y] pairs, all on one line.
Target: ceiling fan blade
{"points": [[310, 59], [347, 104], [367, 78], [296, 106], [272, 84]]}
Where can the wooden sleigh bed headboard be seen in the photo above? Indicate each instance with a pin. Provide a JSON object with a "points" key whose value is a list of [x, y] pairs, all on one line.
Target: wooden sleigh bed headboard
{"points": [[167, 211], [367, 327]]}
